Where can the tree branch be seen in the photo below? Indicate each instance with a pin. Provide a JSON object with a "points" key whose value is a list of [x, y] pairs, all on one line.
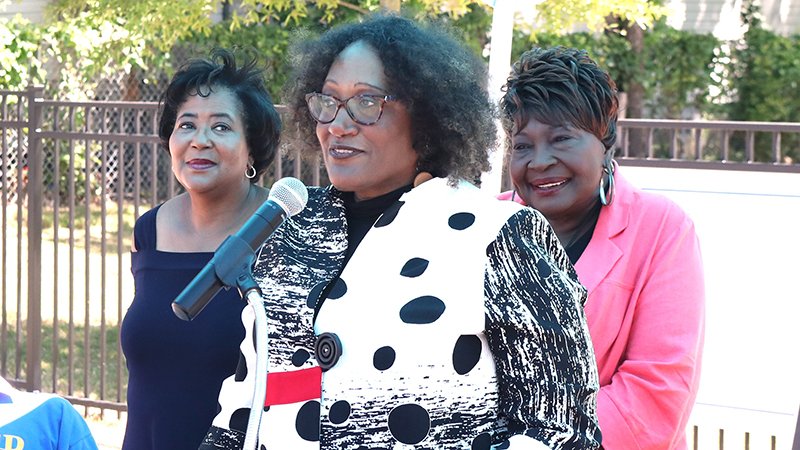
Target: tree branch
{"points": [[354, 7]]}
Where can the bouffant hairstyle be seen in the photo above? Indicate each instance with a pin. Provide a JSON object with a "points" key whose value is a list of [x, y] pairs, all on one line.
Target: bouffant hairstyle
{"points": [[559, 86], [441, 81], [262, 124]]}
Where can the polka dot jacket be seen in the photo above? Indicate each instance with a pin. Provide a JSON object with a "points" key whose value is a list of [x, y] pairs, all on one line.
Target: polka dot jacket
{"points": [[457, 324]]}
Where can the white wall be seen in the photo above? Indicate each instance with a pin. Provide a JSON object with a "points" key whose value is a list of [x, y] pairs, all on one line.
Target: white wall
{"points": [[32, 10], [748, 224], [722, 17]]}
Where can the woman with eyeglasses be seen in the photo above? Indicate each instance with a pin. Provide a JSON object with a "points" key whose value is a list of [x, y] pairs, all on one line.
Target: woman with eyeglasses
{"points": [[406, 308]]}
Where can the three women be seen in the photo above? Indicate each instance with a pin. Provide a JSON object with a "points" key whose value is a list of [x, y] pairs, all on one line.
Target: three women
{"points": [[405, 308]]}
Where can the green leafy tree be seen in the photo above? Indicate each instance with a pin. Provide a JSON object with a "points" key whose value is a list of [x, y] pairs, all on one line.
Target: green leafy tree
{"points": [[765, 67], [764, 75], [19, 59], [270, 39], [130, 32], [562, 16], [691, 58], [144, 28], [91, 38]]}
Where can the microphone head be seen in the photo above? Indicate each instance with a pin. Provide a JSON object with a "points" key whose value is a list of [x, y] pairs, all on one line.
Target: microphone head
{"points": [[290, 193]]}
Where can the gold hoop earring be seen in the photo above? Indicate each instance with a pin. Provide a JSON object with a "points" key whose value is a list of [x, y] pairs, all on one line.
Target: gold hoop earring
{"points": [[250, 173]]}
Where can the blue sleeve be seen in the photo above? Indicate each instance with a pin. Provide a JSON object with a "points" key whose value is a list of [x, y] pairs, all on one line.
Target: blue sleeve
{"points": [[46, 422], [74, 433]]}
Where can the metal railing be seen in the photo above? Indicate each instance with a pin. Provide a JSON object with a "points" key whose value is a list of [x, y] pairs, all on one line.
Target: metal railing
{"points": [[727, 145], [75, 175]]}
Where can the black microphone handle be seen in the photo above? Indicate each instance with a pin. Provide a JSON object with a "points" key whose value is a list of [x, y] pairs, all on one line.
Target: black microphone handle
{"points": [[196, 295], [232, 257], [267, 218]]}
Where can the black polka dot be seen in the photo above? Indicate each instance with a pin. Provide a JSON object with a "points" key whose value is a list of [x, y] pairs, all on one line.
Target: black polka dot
{"points": [[299, 357], [313, 295], [241, 368], [340, 412], [414, 267], [389, 215], [482, 441], [461, 221], [383, 358], [266, 408], [421, 310], [543, 268], [239, 419], [338, 290], [307, 422], [409, 423], [262, 447], [466, 353]]}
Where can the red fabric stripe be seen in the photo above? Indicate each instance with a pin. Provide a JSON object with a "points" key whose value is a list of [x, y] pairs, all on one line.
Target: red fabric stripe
{"points": [[284, 388]]}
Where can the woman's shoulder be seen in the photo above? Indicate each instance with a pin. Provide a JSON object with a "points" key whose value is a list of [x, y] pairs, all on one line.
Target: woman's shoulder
{"points": [[317, 192], [462, 195], [649, 206], [144, 230], [166, 214], [149, 215], [511, 195], [324, 203]]}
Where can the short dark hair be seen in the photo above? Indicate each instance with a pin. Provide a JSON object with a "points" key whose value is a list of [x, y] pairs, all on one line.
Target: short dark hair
{"points": [[440, 80], [559, 86], [262, 123]]}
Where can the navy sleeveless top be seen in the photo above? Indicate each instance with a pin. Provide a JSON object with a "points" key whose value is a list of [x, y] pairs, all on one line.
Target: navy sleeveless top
{"points": [[175, 368]]}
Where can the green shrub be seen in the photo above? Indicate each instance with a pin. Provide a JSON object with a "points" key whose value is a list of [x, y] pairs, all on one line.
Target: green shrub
{"points": [[763, 80], [690, 58]]}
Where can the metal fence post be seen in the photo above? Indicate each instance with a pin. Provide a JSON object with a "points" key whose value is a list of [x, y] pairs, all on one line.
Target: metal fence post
{"points": [[33, 372]]}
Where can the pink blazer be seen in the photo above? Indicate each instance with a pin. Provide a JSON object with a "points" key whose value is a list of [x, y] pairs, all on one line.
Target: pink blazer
{"points": [[646, 314]]}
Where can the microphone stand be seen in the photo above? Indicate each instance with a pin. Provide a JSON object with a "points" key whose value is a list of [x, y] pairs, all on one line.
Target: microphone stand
{"points": [[255, 300], [236, 270]]}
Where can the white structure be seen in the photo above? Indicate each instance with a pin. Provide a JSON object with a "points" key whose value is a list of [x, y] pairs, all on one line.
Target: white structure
{"points": [[722, 17], [32, 10], [746, 223]]}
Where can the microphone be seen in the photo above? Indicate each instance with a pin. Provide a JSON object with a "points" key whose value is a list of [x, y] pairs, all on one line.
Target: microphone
{"points": [[234, 257]]}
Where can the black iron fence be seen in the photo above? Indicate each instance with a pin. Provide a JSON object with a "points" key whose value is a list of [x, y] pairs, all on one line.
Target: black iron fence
{"points": [[75, 175]]}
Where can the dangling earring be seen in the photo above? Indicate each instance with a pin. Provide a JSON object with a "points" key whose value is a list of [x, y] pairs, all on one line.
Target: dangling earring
{"points": [[250, 173], [607, 200]]}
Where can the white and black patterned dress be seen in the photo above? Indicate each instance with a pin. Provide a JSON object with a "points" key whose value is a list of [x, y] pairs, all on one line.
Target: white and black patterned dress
{"points": [[458, 318]]}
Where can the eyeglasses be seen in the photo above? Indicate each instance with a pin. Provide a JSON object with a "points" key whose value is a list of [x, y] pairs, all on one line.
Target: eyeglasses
{"points": [[365, 109]]}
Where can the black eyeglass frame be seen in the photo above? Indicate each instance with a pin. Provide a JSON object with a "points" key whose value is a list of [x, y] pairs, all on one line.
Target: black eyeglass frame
{"points": [[382, 99]]}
